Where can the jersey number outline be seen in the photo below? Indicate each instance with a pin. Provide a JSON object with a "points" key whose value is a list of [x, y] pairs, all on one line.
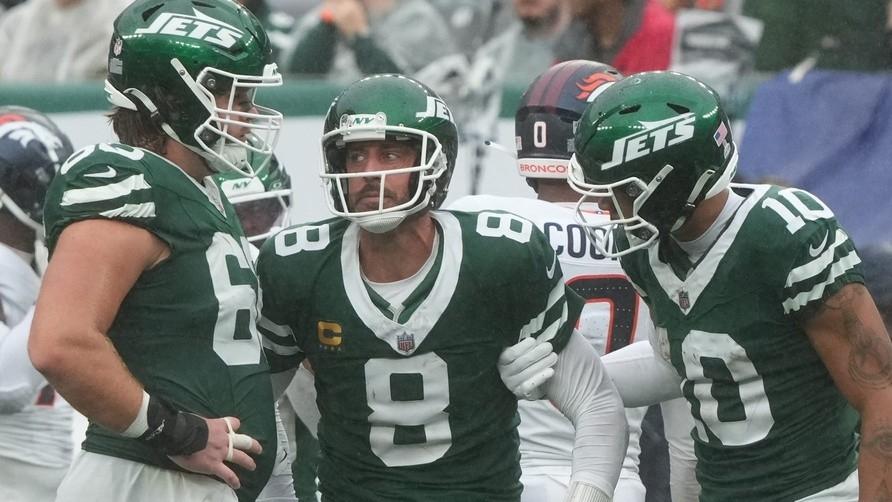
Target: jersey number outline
{"points": [[507, 225], [796, 221], [616, 291], [727, 394], [236, 341], [408, 398], [304, 238]]}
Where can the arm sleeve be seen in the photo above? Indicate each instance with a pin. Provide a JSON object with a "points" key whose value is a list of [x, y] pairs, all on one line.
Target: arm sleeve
{"points": [[677, 426], [19, 381], [274, 322], [315, 50], [641, 377], [583, 392]]}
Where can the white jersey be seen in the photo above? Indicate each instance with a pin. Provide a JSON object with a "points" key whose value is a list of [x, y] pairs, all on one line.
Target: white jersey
{"points": [[40, 432], [614, 316], [19, 285]]}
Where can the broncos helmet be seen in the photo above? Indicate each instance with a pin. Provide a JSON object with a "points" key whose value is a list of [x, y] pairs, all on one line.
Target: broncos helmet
{"points": [[548, 113], [384, 107], [32, 148], [263, 201], [661, 140], [171, 59]]}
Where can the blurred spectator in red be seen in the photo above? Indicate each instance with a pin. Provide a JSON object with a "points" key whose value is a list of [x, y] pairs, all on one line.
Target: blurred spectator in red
{"points": [[346, 39], [277, 23], [630, 35], [57, 40]]}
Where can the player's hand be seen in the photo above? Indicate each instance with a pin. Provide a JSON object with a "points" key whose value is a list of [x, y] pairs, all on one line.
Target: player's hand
{"points": [[525, 366], [224, 445], [349, 16]]}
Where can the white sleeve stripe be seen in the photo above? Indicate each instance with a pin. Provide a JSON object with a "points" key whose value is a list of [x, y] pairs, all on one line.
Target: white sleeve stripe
{"points": [[535, 324], [840, 267], [105, 192], [277, 349], [278, 330], [144, 210], [552, 329], [819, 264]]}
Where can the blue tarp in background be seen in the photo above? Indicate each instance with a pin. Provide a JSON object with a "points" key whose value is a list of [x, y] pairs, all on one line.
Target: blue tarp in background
{"points": [[830, 134]]}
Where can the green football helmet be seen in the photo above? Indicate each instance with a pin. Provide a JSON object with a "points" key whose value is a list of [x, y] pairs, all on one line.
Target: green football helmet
{"points": [[262, 201], [663, 140], [390, 107], [171, 59]]}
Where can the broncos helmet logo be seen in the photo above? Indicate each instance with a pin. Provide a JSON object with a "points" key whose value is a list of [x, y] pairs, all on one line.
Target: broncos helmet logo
{"points": [[592, 83]]}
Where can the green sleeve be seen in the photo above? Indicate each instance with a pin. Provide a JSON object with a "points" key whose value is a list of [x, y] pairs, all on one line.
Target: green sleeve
{"points": [[371, 58], [315, 52]]}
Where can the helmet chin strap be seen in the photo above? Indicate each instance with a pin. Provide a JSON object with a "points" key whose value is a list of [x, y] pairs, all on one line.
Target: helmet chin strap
{"points": [[383, 223]]}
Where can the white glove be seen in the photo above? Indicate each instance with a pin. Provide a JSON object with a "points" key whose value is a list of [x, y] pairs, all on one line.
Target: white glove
{"points": [[525, 366]]}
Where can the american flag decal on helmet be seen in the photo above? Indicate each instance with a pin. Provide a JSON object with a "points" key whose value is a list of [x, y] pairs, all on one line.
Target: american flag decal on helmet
{"points": [[720, 134]]}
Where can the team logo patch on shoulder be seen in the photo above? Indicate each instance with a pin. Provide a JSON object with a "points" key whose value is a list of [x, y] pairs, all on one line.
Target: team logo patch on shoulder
{"points": [[405, 342]]}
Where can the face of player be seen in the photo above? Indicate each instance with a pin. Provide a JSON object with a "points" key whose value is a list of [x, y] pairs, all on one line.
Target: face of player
{"points": [[242, 101], [376, 158], [625, 204]]}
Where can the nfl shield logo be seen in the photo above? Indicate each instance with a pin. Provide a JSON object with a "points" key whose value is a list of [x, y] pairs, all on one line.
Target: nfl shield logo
{"points": [[405, 342], [683, 300]]}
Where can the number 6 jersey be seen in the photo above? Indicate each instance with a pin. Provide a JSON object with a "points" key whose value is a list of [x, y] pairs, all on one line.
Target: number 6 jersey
{"points": [[770, 423], [412, 404], [186, 328]]}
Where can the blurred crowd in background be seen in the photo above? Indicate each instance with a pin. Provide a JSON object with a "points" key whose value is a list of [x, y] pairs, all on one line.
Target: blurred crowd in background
{"points": [[805, 70]]}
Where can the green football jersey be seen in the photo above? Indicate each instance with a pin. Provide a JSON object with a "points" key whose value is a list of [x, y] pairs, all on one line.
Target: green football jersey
{"points": [[186, 330], [413, 408], [770, 423]]}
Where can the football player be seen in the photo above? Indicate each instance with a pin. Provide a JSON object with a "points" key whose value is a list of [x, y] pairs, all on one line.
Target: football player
{"points": [[613, 316], [35, 422], [146, 319], [762, 319], [262, 203], [403, 311]]}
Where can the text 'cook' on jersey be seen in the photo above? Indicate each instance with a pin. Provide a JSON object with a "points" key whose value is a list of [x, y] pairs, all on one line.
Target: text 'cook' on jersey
{"points": [[571, 240]]}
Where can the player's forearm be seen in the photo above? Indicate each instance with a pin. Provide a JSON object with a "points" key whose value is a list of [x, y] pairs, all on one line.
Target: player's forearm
{"points": [[84, 367], [875, 458], [582, 391], [640, 376]]}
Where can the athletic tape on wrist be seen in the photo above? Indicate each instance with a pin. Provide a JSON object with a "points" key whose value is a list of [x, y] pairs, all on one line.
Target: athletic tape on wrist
{"points": [[140, 424]]}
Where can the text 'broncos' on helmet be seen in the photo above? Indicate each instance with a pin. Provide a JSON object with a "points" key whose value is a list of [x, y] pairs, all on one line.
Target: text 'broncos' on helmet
{"points": [[657, 143], [176, 61], [384, 108], [262, 201], [32, 148], [548, 113]]}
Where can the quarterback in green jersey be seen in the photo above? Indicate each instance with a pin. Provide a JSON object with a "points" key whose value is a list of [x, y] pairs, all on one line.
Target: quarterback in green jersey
{"points": [[403, 311], [762, 319], [146, 321]]}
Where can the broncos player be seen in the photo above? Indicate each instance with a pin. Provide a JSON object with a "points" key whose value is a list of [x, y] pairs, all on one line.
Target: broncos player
{"points": [[150, 283], [613, 316], [403, 310], [35, 422]]}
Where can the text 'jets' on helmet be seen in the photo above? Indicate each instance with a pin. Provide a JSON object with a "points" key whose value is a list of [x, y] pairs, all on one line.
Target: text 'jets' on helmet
{"points": [[262, 201], [32, 149], [549, 111], [194, 66], [658, 139], [390, 108]]}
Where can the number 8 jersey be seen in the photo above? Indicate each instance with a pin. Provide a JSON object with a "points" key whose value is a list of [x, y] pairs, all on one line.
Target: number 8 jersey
{"points": [[186, 329], [770, 423], [412, 404]]}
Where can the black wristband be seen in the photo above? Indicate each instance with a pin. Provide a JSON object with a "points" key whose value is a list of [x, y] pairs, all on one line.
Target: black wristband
{"points": [[174, 432]]}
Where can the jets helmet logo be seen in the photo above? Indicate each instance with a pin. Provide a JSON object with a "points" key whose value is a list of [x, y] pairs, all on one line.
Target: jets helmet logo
{"points": [[655, 137], [200, 27]]}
